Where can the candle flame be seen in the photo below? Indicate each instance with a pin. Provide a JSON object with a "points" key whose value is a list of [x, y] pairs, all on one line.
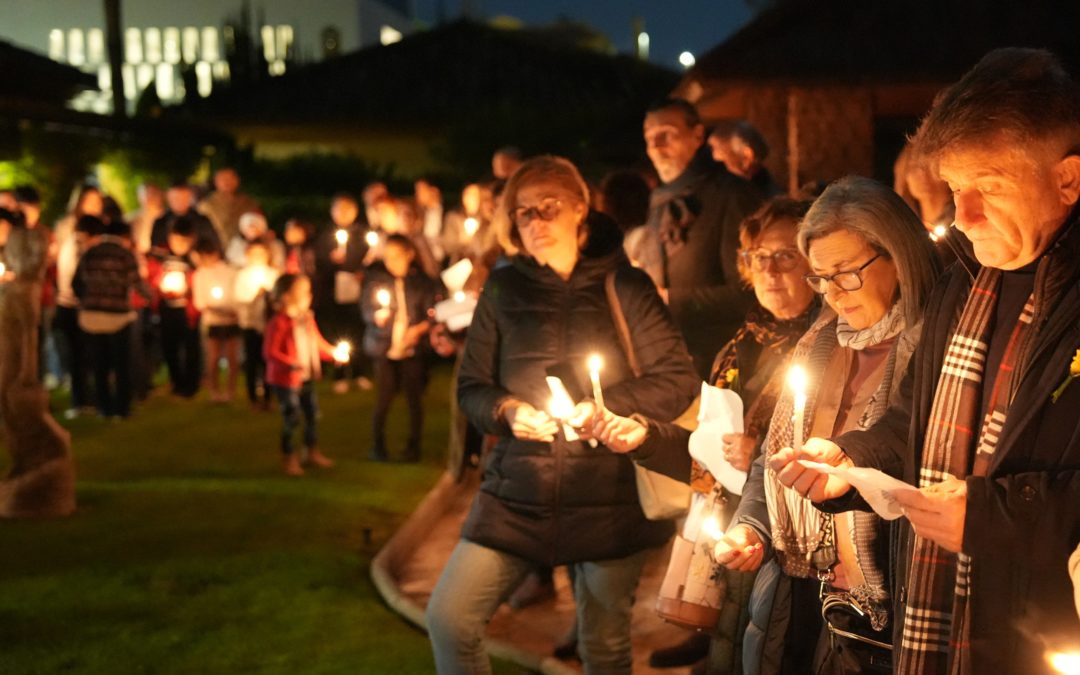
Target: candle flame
{"points": [[382, 296], [1065, 662], [796, 380], [595, 363], [711, 527], [3, 268], [174, 282], [459, 296], [471, 226], [561, 406], [217, 293], [372, 238], [342, 237], [342, 351]]}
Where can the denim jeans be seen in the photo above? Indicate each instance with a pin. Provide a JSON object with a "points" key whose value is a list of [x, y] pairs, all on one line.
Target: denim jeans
{"points": [[295, 402], [477, 579]]}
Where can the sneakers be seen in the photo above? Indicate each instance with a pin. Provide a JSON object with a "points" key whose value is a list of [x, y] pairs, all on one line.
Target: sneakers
{"points": [[291, 465], [320, 460], [364, 384], [341, 387]]}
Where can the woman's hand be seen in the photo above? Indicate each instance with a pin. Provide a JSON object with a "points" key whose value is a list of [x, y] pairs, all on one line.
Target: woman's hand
{"points": [[741, 549], [529, 424], [619, 434], [810, 483], [585, 415], [382, 317], [738, 449]]}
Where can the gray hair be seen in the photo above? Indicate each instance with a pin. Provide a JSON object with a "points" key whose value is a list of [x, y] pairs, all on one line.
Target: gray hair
{"points": [[877, 214]]}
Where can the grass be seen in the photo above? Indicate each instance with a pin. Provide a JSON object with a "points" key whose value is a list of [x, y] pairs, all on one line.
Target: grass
{"points": [[191, 553]]}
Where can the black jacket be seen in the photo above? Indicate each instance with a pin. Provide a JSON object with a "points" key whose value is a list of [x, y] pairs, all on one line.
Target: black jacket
{"points": [[322, 281], [1023, 519], [567, 502], [421, 294], [105, 277]]}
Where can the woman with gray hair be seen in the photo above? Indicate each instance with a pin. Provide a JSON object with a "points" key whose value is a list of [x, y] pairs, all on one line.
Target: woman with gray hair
{"points": [[821, 602]]}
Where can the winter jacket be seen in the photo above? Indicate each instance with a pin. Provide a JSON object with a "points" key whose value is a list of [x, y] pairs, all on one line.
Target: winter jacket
{"points": [[279, 350], [421, 294], [1023, 518], [322, 281], [105, 277], [562, 502]]}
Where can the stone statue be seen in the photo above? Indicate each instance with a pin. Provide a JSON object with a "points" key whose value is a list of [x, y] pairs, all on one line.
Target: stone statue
{"points": [[41, 482]]}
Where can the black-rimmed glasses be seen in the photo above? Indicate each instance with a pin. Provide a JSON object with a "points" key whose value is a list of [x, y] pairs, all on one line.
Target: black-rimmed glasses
{"points": [[850, 280]]}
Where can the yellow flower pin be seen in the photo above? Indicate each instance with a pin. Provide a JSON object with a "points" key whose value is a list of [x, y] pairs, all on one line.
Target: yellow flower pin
{"points": [[1074, 369], [732, 374], [1074, 372]]}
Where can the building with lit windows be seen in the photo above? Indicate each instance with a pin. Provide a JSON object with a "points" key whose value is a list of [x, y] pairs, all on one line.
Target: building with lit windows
{"points": [[196, 44]]}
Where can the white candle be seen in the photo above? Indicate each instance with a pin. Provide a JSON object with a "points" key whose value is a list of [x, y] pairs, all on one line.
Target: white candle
{"points": [[3, 269], [372, 238], [217, 293], [595, 363], [342, 350], [471, 226], [382, 296], [459, 296], [796, 380], [711, 528], [174, 282], [342, 237], [561, 407], [1065, 662]]}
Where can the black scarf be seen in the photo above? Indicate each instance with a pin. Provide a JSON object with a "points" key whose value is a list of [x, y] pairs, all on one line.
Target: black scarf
{"points": [[674, 206]]}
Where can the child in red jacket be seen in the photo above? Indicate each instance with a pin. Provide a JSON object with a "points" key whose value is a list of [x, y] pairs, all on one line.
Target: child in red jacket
{"points": [[294, 348]]}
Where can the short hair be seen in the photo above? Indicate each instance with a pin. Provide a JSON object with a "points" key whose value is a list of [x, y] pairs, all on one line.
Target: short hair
{"points": [[181, 184], [1025, 94], [772, 213], [748, 134], [118, 228], [308, 228], [282, 286], [402, 242], [15, 218], [879, 216], [344, 196], [183, 227], [27, 194], [542, 169], [689, 112], [91, 226]]}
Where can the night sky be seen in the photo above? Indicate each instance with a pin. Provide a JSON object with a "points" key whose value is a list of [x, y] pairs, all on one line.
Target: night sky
{"points": [[673, 26]]}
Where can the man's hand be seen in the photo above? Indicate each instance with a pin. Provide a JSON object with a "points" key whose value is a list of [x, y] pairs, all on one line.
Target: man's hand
{"points": [[740, 549], [814, 485], [619, 434], [937, 512], [529, 424], [738, 448]]}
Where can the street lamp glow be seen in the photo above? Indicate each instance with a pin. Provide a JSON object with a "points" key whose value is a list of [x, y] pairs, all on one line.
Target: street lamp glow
{"points": [[643, 45], [687, 60]]}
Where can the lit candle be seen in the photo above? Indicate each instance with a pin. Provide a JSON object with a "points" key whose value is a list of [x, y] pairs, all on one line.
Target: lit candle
{"points": [[459, 296], [382, 296], [3, 269], [595, 363], [174, 282], [217, 293], [372, 238], [710, 527], [561, 407], [1065, 662], [471, 226], [938, 232], [796, 380], [342, 350], [342, 237]]}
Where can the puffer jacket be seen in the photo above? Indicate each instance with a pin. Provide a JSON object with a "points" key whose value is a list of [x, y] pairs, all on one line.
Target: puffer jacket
{"points": [[563, 502]]}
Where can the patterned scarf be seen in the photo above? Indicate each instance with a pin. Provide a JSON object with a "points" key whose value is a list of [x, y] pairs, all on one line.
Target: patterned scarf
{"points": [[674, 206], [938, 614]]}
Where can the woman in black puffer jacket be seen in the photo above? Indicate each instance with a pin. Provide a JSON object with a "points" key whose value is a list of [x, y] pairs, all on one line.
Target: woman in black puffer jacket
{"points": [[545, 500]]}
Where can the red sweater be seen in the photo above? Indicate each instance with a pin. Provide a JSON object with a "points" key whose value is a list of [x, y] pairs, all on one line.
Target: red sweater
{"points": [[279, 349]]}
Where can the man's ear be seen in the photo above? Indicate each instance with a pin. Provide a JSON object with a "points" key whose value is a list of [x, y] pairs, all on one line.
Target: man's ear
{"points": [[1067, 178]]}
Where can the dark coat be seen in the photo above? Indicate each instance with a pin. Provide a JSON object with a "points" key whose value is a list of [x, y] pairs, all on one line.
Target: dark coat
{"points": [[1023, 518], [421, 294], [106, 276], [204, 229], [563, 502], [322, 281]]}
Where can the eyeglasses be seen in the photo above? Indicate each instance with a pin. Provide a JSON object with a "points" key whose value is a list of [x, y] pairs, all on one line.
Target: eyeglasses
{"points": [[846, 281], [547, 210], [785, 260]]}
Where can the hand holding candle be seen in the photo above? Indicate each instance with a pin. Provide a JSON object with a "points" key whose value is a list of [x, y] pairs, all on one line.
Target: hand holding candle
{"points": [[561, 408], [174, 283], [740, 549], [382, 296], [342, 351], [471, 226], [371, 238], [217, 294], [796, 380], [342, 237], [1065, 662]]}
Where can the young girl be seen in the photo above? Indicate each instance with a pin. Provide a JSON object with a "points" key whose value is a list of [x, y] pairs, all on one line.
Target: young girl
{"points": [[214, 280], [396, 301], [293, 349], [253, 282]]}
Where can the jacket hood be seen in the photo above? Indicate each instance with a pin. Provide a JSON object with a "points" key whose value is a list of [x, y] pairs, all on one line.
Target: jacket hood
{"points": [[602, 253]]}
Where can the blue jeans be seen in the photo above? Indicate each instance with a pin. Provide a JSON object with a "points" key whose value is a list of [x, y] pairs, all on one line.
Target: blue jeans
{"points": [[295, 402], [477, 579]]}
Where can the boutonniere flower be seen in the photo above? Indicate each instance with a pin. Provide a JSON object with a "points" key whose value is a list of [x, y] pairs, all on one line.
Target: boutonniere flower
{"points": [[731, 376], [1074, 372]]}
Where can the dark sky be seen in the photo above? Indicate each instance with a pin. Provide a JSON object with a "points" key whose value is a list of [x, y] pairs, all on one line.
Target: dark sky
{"points": [[674, 26]]}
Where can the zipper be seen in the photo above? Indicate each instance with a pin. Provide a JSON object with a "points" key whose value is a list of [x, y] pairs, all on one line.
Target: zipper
{"points": [[557, 446]]}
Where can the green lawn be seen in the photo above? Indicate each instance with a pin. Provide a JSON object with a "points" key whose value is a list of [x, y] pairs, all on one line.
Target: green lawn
{"points": [[190, 553]]}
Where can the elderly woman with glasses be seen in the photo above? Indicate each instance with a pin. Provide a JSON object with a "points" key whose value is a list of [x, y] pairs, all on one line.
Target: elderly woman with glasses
{"points": [[549, 497]]}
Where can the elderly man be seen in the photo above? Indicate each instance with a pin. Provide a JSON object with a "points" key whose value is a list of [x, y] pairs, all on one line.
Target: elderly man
{"points": [[695, 214], [987, 425], [743, 150], [226, 204]]}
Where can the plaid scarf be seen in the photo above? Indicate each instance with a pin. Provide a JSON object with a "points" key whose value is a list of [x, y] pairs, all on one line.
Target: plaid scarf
{"points": [[938, 615]]}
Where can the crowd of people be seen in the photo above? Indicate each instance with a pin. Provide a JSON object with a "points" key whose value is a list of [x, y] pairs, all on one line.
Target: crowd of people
{"points": [[937, 323]]}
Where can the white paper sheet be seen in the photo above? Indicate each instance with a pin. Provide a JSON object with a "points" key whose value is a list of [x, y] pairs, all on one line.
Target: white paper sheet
{"points": [[721, 413], [455, 276], [875, 487]]}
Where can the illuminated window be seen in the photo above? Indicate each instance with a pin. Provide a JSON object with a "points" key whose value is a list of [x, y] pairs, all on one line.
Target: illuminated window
{"points": [[76, 48], [389, 35], [205, 78], [130, 90], [56, 44], [267, 35], [284, 41], [133, 45], [170, 38], [191, 44], [166, 82], [95, 46], [144, 77], [210, 44], [221, 71], [153, 45]]}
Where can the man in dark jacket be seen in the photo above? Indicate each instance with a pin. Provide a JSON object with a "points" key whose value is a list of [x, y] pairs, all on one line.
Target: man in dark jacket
{"points": [[695, 215], [987, 424], [180, 199]]}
